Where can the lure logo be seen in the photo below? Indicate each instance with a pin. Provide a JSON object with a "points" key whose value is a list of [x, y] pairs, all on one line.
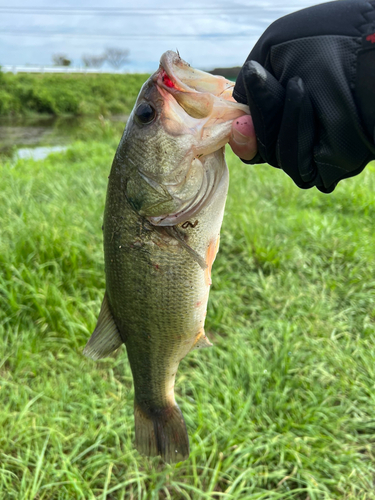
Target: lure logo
{"points": [[371, 38]]}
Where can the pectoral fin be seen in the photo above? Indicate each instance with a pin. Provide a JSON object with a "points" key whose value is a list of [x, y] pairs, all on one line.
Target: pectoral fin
{"points": [[201, 341], [173, 232], [106, 337], [147, 197]]}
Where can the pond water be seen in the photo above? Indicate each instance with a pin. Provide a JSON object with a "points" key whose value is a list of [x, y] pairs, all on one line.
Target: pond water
{"points": [[38, 153], [37, 137]]}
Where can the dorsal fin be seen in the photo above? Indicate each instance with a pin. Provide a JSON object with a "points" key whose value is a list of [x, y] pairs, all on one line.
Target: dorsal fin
{"points": [[106, 337]]}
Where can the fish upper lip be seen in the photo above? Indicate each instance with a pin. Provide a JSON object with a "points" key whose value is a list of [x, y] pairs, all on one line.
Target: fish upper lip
{"points": [[169, 82], [165, 76], [166, 81]]}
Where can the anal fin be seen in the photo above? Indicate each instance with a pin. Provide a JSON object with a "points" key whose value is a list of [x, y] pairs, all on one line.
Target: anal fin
{"points": [[201, 341], [106, 337]]}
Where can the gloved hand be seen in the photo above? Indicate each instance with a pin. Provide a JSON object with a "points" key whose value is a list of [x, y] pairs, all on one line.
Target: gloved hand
{"points": [[310, 85]]}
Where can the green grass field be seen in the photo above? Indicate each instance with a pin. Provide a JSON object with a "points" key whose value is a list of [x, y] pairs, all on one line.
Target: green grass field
{"points": [[283, 405], [70, 94]]}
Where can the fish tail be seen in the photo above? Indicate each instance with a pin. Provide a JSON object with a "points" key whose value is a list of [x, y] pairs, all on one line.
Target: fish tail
{"points": [[161, 432]]}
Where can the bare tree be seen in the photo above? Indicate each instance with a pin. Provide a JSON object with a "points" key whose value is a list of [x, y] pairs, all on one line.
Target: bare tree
{"points": [[61, 60], [93, 60], [116, 57]]}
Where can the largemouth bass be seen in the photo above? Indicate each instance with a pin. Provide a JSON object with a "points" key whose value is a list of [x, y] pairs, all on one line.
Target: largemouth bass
{"points": [[164, 208]]}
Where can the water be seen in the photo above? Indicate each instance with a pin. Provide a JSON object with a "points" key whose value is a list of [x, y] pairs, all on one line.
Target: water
{"points": [[37, 137], [34, 131], [38, 153]]}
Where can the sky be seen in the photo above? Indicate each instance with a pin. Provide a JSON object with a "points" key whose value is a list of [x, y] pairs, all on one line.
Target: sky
{"points": [[207, 35]]}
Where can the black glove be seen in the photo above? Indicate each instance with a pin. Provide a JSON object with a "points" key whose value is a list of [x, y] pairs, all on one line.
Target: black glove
{"points": [[310, 85]]}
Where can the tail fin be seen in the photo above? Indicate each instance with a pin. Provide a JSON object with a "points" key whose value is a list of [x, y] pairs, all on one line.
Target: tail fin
{"points": [[162, 432]]}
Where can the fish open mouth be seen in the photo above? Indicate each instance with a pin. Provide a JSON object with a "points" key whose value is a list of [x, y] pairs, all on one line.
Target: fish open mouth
{"points": [[200, 105], [198, 93], [176, 75]]}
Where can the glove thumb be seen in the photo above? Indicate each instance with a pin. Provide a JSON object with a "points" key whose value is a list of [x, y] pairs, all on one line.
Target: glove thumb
{"points": [[265, 97]]}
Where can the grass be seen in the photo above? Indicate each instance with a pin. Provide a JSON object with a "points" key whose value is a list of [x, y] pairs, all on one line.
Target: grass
{"points": [[68, 94], [281, 408]]}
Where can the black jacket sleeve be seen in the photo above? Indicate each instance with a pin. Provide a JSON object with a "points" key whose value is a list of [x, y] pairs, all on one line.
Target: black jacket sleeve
{"points": [[310, 85]]}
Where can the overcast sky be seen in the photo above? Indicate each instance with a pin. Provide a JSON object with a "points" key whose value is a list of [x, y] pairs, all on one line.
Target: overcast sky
{"points": [[219, 33]]}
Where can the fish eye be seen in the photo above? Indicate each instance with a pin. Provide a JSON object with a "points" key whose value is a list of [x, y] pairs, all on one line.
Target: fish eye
{"points": [[145, 113]]}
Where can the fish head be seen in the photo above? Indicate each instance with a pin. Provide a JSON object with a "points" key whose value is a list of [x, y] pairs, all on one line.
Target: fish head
{"points": [[182, 117]]}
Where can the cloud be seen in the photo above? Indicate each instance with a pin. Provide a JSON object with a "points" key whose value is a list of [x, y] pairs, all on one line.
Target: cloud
{"points": [[221, 34]]}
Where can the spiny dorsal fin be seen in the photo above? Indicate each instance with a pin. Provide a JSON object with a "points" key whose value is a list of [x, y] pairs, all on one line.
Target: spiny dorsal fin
{"points": [[106, 337], [201, 341]]}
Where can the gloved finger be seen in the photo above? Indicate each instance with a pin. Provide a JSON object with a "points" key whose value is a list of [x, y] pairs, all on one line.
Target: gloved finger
{"points": [[296, 137], [265, 96]]}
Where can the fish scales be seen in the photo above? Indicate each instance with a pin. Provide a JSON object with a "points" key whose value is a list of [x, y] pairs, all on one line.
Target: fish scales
{"points": [[165, 203], [153, 287]]}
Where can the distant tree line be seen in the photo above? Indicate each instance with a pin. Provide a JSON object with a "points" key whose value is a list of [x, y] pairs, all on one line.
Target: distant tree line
{"points": [[227, 72], [114, 56]]}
